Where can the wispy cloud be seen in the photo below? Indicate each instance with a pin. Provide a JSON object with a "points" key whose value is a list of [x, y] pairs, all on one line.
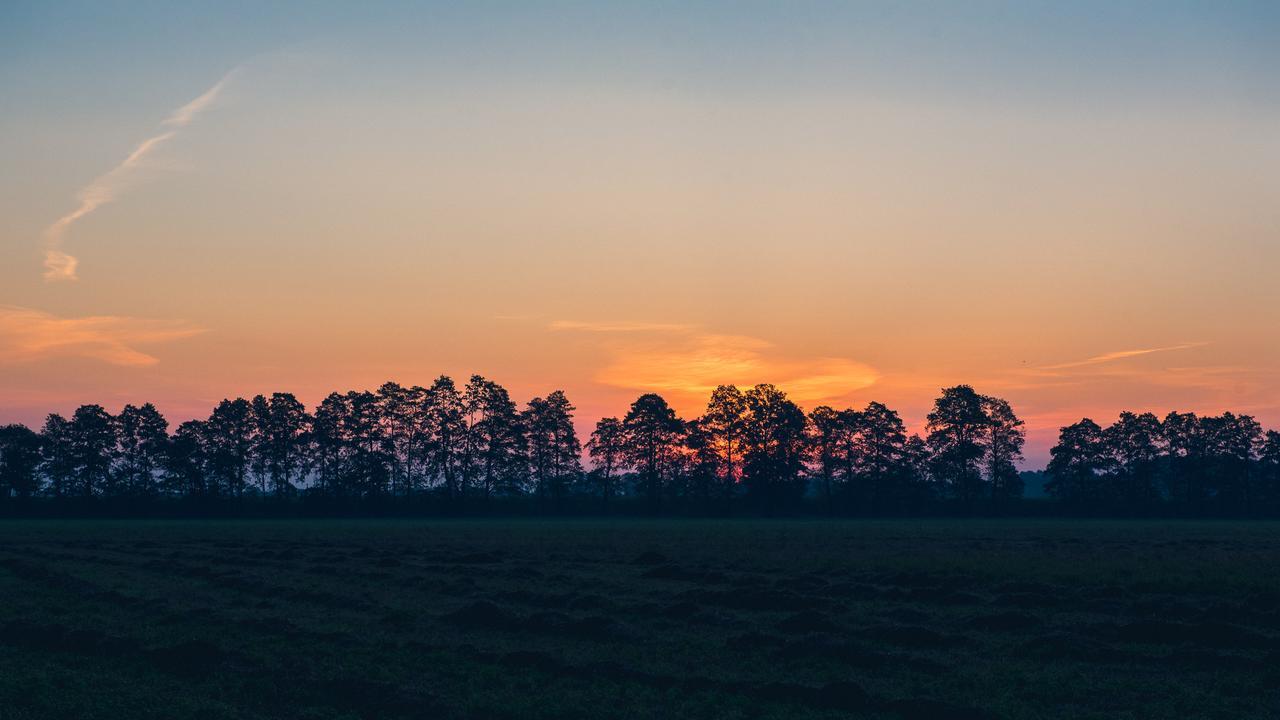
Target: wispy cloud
{"points": [[29, 335], [1119, 355], [58, 264], [688, 362], [618, 327]]}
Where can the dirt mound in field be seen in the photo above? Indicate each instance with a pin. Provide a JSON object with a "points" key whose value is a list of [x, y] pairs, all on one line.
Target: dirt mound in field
{"points": [[1209, 634], [680, 610], [1004, 622], [675, 572], [922, 709], [650, 557], [370, 699], [483, 614], [847, 696], [1061, 646], [752, 641], [761, 600], [1029, 600], [55, 637], [912, 636], [189, 658], [807, 621], [479, 558]]}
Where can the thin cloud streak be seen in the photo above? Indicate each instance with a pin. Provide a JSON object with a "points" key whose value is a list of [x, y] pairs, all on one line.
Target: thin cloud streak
{"points": [[28, 335], [1120, 355], [618, 327], [60, 265]]}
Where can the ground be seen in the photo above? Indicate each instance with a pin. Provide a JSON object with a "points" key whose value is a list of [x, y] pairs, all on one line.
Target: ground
{"points": [[639, 619]]}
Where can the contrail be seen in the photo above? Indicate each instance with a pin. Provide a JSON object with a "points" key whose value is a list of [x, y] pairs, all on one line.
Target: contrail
{"points": [[1120, 355], [59, 265]]}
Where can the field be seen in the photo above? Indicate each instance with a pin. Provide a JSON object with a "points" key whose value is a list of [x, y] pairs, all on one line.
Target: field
{"points": [[639, 619]]}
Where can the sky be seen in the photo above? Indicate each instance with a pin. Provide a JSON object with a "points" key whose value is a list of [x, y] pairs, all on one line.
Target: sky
{"points": [[1074, 206]]}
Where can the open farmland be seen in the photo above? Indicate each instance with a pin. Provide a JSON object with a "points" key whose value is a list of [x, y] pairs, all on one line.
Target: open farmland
{"points": [[644, 619]]}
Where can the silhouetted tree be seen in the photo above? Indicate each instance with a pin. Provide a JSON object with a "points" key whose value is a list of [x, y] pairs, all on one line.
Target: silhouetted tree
{"points": [[186, 462], [92, 438], [917, 485], [57, 462], [1231, 444], [143, 442], [552, 445], [825, 431], [400, 414], [1078, 465], [723, 426], [958, 430], [1005, 438], [496, 440], [369, 463], [1269, 473], [607, 447], [19, 462], [1136, 446], [228, 444], [881, 463], [328, 443], [773, 448], [652, 435], [445, 436], [281, 425], [1184, 478]]}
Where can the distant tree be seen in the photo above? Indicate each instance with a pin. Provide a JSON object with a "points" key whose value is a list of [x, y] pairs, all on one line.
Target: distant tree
{"points": [[444, 436], [186, 462], [281, 424], [723, 426], [608, 452], [143, 442], [773, 448], [702, 479], [1231, 445], [329, 450], [229, 441], [552, 444], [92, 437], [853, 493], [652, 435], [1078, 466], [1269, 473], [1006, 435], [958, 431], [1185, 447], [916, 484], [881, 461], [57, 462], [1135, 443], [19, 462], [402, 424], [825, 431], [369, 464], [496, 441]]}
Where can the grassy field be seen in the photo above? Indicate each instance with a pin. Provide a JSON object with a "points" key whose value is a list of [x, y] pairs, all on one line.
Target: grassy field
{"points": [[661, 619]]}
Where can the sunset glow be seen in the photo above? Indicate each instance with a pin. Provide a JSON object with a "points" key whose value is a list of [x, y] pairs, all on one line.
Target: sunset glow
{"points": [[1073, 207]]}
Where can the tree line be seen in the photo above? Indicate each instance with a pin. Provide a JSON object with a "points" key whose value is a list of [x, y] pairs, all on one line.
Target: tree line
{"points": [[1223, 465], [457, 447], [472, 449]]}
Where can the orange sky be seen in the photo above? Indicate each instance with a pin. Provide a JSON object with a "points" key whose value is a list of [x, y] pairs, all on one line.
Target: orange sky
{"points": [[852, 208]]}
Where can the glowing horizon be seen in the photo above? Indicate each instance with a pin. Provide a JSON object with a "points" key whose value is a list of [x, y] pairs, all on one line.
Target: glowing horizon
{"points": [[1076, 209]]}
